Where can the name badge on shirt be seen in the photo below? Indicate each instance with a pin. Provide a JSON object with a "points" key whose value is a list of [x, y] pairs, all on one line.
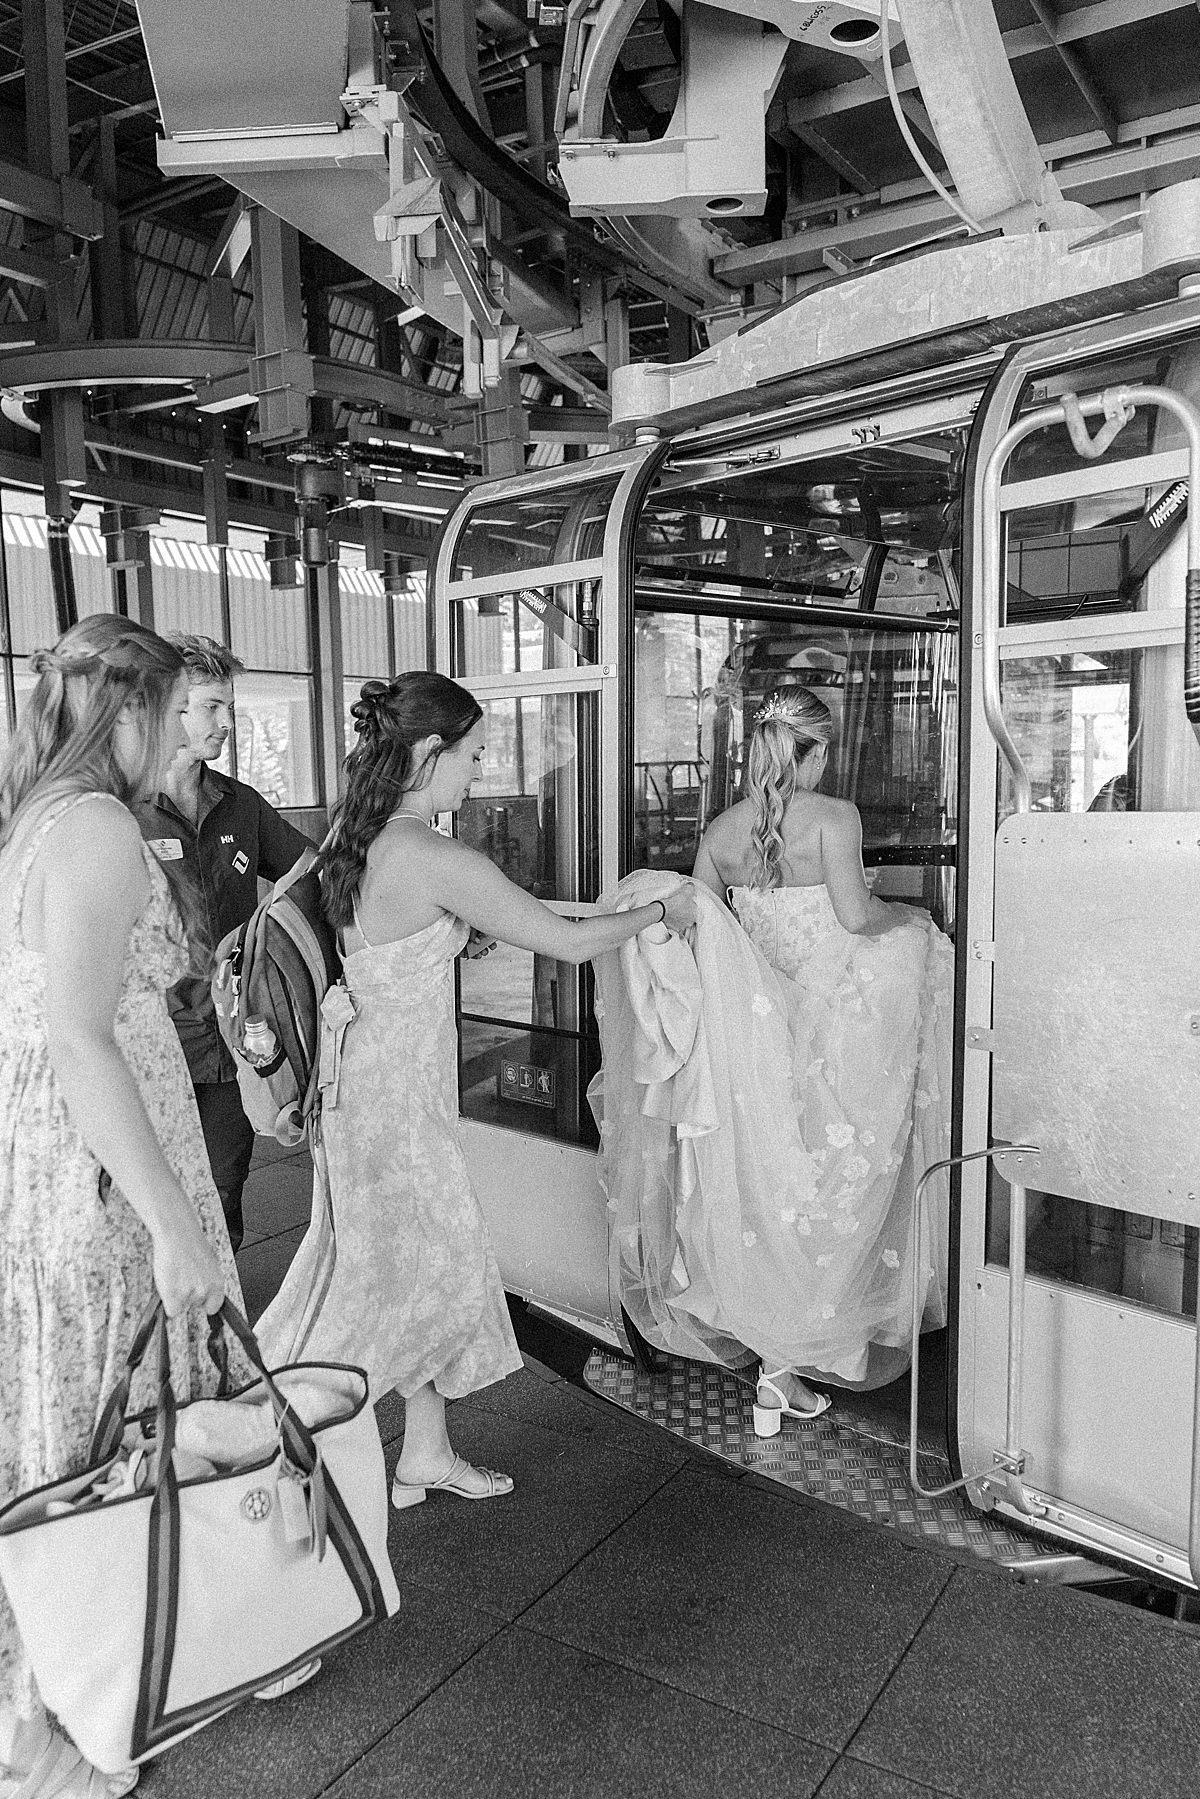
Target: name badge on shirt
{"points": [[167, 849], [241, 862]]}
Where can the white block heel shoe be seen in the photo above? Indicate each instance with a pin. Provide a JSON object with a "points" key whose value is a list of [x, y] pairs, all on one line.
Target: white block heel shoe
{"points": [[769, 1412]]}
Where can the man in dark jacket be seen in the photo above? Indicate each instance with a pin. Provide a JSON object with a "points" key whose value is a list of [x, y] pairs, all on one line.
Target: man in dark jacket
{"points": [[225, 836]]}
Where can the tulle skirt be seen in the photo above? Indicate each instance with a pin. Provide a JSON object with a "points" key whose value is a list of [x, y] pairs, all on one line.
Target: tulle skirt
{"points": [[760, 1174]]}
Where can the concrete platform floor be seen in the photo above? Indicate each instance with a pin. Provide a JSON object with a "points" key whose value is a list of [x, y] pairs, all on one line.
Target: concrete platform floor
{"points": [[639, 1619]]}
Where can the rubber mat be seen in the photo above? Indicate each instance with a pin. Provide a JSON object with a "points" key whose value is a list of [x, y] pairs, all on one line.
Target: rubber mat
{"points": [[860, 1467]]}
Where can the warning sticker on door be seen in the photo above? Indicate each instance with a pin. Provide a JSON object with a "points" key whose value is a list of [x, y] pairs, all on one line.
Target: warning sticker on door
{"points": [[526, 1082]]}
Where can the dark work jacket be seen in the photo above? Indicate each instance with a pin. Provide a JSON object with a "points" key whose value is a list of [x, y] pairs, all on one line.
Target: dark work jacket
{"points": [[239, 838]]}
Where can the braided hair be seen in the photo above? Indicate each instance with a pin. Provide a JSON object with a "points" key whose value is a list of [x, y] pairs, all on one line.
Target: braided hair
{"points": [[65, 738], [786, 731], [390, 719]]}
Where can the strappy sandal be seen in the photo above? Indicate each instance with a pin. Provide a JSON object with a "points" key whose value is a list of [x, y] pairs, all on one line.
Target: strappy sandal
{"points": [[61, 1772], [768, 1418], [406, 1493]]}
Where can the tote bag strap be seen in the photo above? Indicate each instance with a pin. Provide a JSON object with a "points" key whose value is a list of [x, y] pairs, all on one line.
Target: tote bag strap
{"points": [[106, 1438], [152, 1725]]}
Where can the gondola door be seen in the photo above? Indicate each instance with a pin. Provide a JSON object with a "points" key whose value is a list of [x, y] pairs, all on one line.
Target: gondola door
{"points": [[1080, 949], [525, 616]]}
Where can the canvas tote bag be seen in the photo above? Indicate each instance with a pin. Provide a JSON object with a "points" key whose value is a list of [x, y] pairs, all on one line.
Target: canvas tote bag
{"points": [[147, 1616]]}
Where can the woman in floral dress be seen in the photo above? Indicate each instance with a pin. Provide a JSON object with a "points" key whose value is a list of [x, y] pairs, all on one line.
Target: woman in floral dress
{"points": [[414, 1296], [105, 1190]]}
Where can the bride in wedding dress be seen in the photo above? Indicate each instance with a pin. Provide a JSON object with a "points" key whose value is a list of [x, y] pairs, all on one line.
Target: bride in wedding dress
{"points": [[868, 989]]}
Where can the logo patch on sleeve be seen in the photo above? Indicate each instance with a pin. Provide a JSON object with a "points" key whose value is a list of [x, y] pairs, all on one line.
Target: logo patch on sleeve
{"points": [[241, 862]]}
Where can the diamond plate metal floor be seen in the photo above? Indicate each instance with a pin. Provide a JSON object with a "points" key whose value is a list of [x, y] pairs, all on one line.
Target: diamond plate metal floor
{"points": [[862, 1468]]}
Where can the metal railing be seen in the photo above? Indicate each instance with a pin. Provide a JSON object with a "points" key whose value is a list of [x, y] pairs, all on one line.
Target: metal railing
{"points": [[1012, 1450]]}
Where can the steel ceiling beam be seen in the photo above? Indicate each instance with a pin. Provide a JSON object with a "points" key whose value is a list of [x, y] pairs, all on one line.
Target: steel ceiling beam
{"points": [[32, 270], [878, 230], [219, 374], [1097, 104], [175, 455], [820, 146], [102, 43], [351, 382], [62, 202], [120, 490], [135, 363], [1027, 40], [566, 425]]}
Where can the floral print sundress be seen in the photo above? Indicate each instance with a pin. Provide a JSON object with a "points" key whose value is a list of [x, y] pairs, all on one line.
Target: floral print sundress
{"points": [[414, 1295], [75, 1259]]}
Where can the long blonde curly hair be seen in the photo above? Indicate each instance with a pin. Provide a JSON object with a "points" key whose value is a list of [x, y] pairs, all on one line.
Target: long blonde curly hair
{"points": [[787, 730], [65, 739]]}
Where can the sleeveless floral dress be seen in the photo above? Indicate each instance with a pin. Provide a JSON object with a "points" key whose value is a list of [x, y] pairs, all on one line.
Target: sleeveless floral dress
{"points": [[75, 1259], [414, 1294]]}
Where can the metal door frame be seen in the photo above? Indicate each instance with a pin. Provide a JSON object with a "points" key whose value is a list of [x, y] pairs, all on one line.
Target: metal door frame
{"points": [[977, 835], [599, 678], [569, 1168]]}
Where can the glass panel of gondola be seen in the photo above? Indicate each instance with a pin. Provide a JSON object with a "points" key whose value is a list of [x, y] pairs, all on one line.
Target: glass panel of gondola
{"points": [[534, 530], [550, 625], [837, 573], [527, 1033]]}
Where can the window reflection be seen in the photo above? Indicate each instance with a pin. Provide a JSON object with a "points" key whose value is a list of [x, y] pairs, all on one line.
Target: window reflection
{"points": [[533, 812], [818, 527], [551, 626], [1099, 729], [532, 530], [1149, 1261], [275, 739], [894, 698]]}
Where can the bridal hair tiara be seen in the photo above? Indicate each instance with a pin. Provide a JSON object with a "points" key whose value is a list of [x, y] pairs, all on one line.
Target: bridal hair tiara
{"points": [[780, 705]]}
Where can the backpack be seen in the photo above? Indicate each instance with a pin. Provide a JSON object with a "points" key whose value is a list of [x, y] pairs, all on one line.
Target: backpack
{"points": [[272, 973]]}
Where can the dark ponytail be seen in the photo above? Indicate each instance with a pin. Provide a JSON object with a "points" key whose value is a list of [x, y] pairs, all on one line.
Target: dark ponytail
{"points": [[390, 718]]}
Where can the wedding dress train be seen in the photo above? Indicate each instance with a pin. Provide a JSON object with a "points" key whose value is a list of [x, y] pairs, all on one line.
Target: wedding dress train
{"points": [[770, 1095]]}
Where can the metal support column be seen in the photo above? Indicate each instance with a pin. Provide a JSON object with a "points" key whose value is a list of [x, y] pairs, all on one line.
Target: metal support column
{"points": [[317, 484], [215, 474], [49, 154], [373, 536], [316, 274], [283, 374], [212, 425], [325, 636], [111, 313], [616, 333], [216, 460], [126, 533], [502, 426], [679, 335]]}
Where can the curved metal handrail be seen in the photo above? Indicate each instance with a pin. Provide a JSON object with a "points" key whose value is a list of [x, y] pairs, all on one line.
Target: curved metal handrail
{"points": [[1117, 405]]}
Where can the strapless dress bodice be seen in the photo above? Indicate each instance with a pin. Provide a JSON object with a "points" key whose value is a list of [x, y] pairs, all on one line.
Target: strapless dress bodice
{"points": [[785, 923]]}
